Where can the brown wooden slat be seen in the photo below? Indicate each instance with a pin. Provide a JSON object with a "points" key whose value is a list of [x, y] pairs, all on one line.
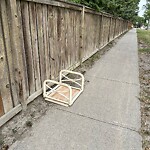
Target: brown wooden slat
{"points": [[28, 46], [66, 39], [46, 41], [56, 36], [8, 52], [63, 39], [1, 107], [18, 54], [51, 40], [78, 36], [34, 41], [23, 49], [4, 76], [41, 41]]}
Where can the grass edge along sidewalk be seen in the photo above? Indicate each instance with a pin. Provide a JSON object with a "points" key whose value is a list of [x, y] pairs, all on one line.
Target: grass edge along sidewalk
{"points": [[144, 70]]}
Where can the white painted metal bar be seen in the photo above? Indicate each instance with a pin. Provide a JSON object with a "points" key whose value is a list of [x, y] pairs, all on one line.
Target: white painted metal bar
{"points": [[68, 101]]}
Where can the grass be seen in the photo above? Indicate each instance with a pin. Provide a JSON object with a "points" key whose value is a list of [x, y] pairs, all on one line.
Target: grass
{"points": [[144, 38], [144, 49]]}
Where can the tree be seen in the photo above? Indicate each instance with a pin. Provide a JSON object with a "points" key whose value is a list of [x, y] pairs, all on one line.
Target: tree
{"points": [[139, 21], [147, 14], [127, 9]]}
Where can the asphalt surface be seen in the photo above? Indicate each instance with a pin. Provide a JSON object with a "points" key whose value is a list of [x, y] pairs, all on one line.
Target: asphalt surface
{"points": [[107, 114]]}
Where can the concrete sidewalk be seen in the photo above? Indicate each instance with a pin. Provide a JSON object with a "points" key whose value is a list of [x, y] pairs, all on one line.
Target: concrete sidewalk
{"points": [[105, 117]]}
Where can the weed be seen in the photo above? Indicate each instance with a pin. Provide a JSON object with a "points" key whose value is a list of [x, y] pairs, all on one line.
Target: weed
{"points": [[144, 36], [29, 124], [1, 142], [14, 130], [144, 49]]}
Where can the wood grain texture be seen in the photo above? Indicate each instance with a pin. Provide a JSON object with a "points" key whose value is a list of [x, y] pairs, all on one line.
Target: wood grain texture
{"points": [[34, 41], [22, 46], [1, 106], [5, 91], [63, 91], [28, 46], [51, 40], [40, 37], [46, 41], [8, 52], [18, 53]]}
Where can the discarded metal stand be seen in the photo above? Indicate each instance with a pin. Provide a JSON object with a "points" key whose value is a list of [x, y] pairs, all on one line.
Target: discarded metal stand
{"points": [[66, 91]]}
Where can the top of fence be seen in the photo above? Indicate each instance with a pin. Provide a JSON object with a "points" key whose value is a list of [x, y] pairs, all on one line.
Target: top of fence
{"points": [[74, 6]]}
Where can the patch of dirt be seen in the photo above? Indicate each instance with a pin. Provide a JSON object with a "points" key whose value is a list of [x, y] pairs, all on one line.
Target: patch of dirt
{"points": [[21, 123], [142, 45], [144, 69], [18, 126]]}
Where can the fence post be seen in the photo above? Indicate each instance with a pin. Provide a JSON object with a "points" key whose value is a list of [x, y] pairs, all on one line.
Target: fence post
{"points": [[101, 32], [17, 52], [110, 26], [82, 34]]}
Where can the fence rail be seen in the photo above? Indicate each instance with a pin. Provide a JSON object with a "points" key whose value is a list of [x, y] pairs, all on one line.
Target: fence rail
{"points": [[38, 38]]}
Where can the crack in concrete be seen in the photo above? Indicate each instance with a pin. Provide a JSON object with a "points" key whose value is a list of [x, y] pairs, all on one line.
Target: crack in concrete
{"points": [[102, 78], [102, 121]]}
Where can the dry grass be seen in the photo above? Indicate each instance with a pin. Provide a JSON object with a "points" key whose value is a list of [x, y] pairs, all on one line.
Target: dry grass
{"points": [[144, 40], [144, 35]]}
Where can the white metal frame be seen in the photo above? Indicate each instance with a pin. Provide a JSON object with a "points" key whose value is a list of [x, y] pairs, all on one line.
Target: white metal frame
{"points": [[47, 90]]}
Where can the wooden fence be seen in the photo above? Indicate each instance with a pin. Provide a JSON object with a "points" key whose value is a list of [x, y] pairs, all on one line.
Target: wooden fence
{"points": [[38, 38]]}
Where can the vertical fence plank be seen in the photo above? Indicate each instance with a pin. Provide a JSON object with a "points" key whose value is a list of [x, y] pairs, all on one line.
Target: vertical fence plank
{"points": [[101, 31], [5, 91], [71, 41], [22, 48], [66, 39], [17, 52], [50, 39], [46, 41], [69, 37], [1, 106], [56, 37], [28, 46], [34, 41], [63, 39], [8, 52], [41, 41], [78, 36], [59, 36]]}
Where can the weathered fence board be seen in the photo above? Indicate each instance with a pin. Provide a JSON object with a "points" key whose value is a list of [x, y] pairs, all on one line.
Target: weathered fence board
{"points": [[5, 93], [1, 106], [21, 37], [28, 46], [40, 38], [8, 52], [34, 41], [46, 41]]}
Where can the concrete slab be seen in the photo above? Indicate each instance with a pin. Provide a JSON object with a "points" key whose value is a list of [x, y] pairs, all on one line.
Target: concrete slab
{"points": [[121, 72], [109, 101], [60, 130]]}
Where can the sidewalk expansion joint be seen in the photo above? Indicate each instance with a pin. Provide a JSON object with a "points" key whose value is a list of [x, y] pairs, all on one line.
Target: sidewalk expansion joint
{"points": [[113, 80], [101, 121]]}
